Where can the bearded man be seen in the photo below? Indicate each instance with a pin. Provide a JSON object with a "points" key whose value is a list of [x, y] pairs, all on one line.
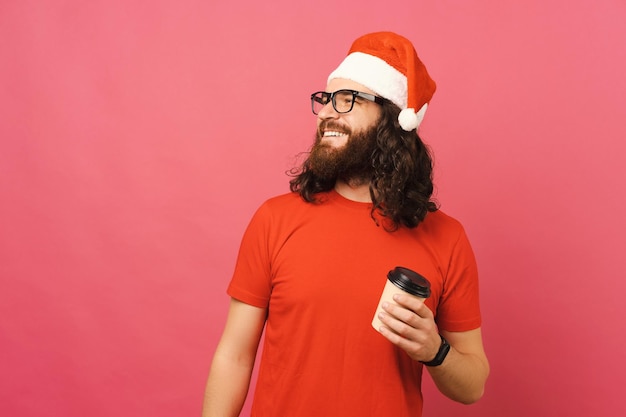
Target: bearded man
{"points": [[313, 262]]}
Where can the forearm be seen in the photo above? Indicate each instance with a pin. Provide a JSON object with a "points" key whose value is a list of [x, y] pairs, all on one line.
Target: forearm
{"points": [[227, 387], [462, 376]]}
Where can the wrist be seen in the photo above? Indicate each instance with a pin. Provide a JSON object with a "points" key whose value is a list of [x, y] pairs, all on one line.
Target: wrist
{"points": [[444, 348]]}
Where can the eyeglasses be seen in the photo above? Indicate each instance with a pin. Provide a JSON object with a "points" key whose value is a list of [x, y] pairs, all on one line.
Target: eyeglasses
{"points": [[343, 100]]}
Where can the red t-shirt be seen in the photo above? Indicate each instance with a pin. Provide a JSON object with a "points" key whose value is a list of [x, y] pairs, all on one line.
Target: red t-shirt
{"points": [[320, 270]]}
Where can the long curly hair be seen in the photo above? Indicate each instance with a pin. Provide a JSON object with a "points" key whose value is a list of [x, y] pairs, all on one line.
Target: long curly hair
{"points": [[401, 184]]}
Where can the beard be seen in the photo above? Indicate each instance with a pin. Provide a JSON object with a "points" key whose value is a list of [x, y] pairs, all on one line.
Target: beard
{"points": [[351, 163]]}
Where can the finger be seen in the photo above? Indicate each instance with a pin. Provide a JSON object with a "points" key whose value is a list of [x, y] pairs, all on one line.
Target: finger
{"points": [[402, 314], [413, 335], [415, 304], [415, 342], [414, 349], [407, 323]]}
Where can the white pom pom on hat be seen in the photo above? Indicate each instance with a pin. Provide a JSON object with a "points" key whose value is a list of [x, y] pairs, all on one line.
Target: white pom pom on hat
{"points": [[387, 64], [409, 119]]}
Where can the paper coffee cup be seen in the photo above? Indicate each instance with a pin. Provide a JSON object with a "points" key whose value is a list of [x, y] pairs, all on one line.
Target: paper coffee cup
{"points": [[401, 280]]}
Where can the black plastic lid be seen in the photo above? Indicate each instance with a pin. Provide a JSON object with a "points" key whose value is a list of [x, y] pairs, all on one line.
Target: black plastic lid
{"points": [[409, 281]]}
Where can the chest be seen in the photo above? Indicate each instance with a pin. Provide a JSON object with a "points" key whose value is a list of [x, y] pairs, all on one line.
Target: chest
{"points": [[340, 264]]}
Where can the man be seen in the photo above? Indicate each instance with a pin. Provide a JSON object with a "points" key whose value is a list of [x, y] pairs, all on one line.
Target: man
{"points": [[312, 263]]}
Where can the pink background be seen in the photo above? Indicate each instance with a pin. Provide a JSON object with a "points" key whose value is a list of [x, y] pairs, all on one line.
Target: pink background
{"points": [[138, 137]]}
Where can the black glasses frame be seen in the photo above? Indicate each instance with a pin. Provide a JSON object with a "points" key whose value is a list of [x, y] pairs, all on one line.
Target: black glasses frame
{"points": [[323, 97]]}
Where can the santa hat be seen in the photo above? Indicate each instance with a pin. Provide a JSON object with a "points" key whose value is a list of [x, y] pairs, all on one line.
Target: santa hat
{"points": [[387, 64]]}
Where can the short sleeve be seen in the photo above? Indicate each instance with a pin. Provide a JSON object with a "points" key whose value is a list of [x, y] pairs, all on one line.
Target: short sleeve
{"points": [[459, 307], [251, 281]]}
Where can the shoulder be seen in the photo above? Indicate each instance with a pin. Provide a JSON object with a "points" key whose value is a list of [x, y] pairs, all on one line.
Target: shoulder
{"points": [[272, 217], [281, 204], [283, 200], [439, 221], [282, 207], [443, 230]]}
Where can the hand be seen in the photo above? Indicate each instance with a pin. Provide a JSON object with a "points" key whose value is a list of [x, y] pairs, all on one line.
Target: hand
{"points": [[410, 325]]}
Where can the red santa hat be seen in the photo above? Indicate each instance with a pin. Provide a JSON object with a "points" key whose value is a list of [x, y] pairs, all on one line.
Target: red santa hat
{"points": [[387, 64]]}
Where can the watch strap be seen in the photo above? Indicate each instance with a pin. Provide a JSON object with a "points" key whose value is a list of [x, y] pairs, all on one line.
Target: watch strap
{"points": [[441, 354]]}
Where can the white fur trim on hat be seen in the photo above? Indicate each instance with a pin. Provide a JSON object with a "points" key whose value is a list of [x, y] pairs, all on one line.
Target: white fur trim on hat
{"points": [[375, 74]]}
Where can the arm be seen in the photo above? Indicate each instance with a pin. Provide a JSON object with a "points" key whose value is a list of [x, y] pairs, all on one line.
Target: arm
{"points": [[229, 377], [410, 325]]}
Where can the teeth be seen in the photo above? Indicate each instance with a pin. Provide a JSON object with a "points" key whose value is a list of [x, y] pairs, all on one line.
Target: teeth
{"points": [[333, 133]]}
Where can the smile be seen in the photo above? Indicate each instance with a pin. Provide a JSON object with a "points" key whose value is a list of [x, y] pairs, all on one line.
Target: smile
{"points": [[329, 133]]}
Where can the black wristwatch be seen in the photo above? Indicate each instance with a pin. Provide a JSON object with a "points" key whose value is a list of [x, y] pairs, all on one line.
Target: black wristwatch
{"points": [[441, 354]]}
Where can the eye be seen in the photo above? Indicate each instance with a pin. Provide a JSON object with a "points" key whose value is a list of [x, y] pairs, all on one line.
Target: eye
{"points": [[344, 98]]}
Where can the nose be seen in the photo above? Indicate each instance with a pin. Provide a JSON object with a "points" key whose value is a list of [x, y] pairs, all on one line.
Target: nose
{"points": [[327, 112]]}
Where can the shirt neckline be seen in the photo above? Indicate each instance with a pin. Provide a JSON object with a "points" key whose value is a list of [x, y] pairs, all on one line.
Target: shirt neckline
{"points": [[335, 197]]}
